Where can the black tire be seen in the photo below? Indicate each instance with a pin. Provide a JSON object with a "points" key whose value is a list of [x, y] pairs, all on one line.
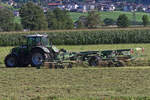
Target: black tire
{"points": [[37, 58], [11, 61], [94, 61]]}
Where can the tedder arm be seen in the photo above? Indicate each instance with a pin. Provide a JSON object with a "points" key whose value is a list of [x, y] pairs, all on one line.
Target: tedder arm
{"points": [[95, 58]]}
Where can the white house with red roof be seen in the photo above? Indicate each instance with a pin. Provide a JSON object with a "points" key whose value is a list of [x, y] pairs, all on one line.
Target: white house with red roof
{"points": [[55, 5]]}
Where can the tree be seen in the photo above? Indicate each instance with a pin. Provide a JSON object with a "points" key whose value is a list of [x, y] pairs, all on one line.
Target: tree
{"points": [[59, 19], [122, 21], [109, 21], [18, 27], [93, 19], [145, 20], [32, 17], [6, 20], [81, 23], [52, 21]]}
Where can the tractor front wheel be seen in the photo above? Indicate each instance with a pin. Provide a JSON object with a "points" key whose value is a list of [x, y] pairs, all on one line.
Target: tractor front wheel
{"points": [[37, 59], [11, 61]]}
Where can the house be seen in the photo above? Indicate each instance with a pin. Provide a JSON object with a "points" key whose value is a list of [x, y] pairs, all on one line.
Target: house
{"points": [[68, 7], [147, 9], [91, 7], [90, 1], [126, 8], [130, 7], [141, 8], [82, 8], [75, 6], [45, 9], [11, 2], [16, 13], [112, 7], [106, 7], [100, 7], [144, 9], [52, 6], [72, 7]]}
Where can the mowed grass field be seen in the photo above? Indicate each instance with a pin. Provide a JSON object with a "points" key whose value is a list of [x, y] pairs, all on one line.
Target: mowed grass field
{"points": [[78, 83], [75, 84]]}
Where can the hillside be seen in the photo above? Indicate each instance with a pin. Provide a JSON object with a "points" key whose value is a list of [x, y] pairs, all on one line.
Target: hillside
{"points": [[114, 15]]}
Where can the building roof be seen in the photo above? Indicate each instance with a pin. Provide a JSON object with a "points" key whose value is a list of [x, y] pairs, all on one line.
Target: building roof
{"points": [[54, 4]]}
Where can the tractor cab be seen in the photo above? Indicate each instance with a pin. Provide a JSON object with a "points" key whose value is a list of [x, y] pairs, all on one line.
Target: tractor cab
{"points": [[37, 40]]}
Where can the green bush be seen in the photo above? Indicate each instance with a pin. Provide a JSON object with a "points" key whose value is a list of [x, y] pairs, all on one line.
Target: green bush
{"points": [[109, 21], [83, 37], [122, 21], [18, 27], [145, 20]]}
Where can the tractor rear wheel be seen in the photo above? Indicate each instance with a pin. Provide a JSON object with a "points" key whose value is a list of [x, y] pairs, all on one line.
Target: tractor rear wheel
{"points": [[37, 58], [94, 61], [11, 61]]}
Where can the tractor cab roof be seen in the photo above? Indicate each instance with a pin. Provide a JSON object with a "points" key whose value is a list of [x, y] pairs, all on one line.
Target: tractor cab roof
{"points": [[35, 35]]}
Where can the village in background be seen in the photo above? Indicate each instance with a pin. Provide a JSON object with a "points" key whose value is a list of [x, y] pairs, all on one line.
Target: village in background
{"points": [[84, 6]]}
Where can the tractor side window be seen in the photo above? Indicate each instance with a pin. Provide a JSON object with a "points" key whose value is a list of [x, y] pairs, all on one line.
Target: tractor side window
{"points": [[31, 41], [38, 41], [44, 41]]}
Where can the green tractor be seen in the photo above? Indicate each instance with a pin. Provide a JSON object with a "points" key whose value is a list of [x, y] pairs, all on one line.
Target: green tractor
{"points": [[35, 51]]}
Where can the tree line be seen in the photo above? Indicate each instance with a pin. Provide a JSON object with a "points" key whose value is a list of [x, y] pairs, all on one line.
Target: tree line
{"points": [[33, 18]]}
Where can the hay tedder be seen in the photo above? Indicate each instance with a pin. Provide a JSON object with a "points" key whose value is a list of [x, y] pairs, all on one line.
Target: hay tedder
{"points": [[38, 51]]}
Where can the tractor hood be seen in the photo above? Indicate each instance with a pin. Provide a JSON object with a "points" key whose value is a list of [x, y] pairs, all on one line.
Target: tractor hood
{"points": [[17, 49]]}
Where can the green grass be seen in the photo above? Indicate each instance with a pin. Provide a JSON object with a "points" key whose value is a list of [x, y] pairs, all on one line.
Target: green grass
{"points": [[74, 84], [17, 19], [114, 15]]}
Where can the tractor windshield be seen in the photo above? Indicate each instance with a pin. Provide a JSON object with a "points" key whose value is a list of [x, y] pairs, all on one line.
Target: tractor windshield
{"points": [[45, 41]]}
